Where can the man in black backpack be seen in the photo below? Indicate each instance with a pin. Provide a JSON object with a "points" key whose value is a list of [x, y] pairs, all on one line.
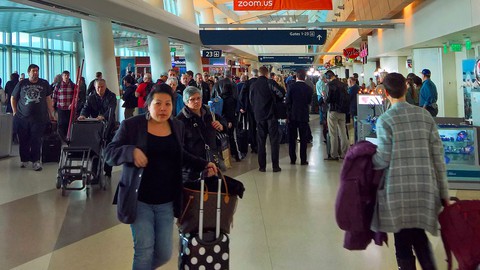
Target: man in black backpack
{"points": [[338, 102]]}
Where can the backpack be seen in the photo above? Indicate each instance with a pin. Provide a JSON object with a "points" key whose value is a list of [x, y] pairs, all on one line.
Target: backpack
{"points": [[342, 103], [460, 229]]}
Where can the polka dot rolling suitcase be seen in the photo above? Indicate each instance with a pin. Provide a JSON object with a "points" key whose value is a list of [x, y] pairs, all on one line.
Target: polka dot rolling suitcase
{"points": [[205, 250]]}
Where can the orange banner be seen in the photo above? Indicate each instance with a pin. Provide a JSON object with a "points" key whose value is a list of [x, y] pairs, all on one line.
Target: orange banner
{"points": [[282, 5]]}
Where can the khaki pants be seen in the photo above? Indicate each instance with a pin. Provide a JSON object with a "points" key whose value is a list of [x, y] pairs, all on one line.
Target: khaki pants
{"points": [[336, 127]]}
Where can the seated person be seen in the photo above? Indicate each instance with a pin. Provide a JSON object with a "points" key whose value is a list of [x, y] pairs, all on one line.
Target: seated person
{"points": [[101, 105]]}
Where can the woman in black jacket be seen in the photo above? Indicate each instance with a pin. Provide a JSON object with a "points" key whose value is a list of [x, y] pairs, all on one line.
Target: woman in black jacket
{"points": [[200, 129], [229, 106], [150, 148]]}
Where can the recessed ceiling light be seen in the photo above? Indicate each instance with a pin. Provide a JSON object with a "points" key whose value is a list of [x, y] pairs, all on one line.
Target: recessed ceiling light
{"points": [[57, 35]]}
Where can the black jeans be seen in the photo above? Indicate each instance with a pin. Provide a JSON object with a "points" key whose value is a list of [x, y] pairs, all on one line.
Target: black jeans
{"points": [[270, 128], [295, 128], [416, 239], [30, 135], [62, 125]]}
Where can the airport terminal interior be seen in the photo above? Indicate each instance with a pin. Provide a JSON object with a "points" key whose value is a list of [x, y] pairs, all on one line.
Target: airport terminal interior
{"points": [[285, 220]]}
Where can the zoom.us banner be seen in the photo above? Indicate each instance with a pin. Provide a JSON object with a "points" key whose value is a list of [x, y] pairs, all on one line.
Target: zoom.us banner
{"points": [[282, 5]]}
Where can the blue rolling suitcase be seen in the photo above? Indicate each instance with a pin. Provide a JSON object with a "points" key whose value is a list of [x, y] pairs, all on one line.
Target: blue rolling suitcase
{"points": [[205, 250]]}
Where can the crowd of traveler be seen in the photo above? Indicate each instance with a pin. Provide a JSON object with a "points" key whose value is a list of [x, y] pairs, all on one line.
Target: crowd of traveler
{"points": [[169, 136]]}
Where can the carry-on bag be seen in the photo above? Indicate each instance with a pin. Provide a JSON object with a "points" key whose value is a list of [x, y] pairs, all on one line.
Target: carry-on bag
{"points": [[242, 133], [460, 230], [51, 144], [205, 250], [231, 190]]}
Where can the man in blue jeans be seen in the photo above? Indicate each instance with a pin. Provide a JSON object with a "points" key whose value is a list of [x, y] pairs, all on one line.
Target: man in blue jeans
{"points": [[32, 110], [415, 181]]}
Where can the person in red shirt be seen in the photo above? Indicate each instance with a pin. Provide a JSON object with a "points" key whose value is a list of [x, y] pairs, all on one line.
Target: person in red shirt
{"points": [[62, 100], [142, 91]]}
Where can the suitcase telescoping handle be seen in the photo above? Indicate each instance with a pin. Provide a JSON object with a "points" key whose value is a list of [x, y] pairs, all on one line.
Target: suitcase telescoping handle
{"points": [[221, 179]]}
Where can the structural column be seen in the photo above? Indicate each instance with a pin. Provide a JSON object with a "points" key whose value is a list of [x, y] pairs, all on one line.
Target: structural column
{"points": [[159, 49], [206, 16], [9, 55], [100, 52], [193, 59], [46, 59]]}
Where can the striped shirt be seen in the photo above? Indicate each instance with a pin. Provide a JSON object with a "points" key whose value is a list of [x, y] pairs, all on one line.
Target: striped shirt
{"points": [[411, 152]]}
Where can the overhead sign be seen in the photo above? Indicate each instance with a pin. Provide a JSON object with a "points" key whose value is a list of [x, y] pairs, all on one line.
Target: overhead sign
{"points": [[286, 59], [212, 53], [282, 5], [351, 53], [294, 68], [263, 37]]}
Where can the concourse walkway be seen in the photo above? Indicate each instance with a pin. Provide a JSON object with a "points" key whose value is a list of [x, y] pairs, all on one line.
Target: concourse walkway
{"points": [[284, 222]]}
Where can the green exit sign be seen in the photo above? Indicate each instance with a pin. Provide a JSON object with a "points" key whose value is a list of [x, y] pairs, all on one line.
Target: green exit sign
{"points": [[173, 49], [455, 47]]}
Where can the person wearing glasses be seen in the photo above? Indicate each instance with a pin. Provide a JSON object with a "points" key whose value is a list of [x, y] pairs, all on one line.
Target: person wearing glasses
{"points": [[201, 127]]}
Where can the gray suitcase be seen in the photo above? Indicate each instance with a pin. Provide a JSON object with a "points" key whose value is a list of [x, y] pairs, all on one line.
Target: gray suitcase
{"points": [[6, 129]]}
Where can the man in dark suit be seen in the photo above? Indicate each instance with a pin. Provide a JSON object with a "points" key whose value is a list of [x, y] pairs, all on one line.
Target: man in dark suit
{"points": [[264, 93], [299, 97], [246, 108]]}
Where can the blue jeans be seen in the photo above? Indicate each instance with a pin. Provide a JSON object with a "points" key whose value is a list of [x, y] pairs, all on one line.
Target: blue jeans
{"points": [[152, 235]]}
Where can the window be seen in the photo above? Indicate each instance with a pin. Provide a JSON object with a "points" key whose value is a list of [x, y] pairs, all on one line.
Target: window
{"points": [[68, 46], [24, 39], [3, 66], [14, 38], [37, 59], [57, 45], [37, 42], [24, 60], [2, 38]]}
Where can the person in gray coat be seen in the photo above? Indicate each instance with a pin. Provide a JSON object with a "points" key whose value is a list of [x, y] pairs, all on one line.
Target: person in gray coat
{"points": [[414, 186]]}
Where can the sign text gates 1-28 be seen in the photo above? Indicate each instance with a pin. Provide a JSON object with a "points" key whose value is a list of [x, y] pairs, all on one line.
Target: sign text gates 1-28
{"points": [[263, 37]]}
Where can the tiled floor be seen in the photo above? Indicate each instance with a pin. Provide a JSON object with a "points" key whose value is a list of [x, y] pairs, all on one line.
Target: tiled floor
{"points": [[285, 221]]}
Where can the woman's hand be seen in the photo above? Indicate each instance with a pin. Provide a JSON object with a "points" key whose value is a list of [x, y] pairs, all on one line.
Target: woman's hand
{"points": [[139, 158], [211, 169], [216, 125], [230, 124]]}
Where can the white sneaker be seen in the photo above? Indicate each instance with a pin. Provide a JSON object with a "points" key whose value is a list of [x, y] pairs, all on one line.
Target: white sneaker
{"points": [[24, 164], [37, 166]]}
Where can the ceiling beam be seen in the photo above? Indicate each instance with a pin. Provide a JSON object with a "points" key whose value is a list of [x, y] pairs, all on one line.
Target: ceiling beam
{"points": [[230, 14], [56, 29], [346, 24], [21, 9]]}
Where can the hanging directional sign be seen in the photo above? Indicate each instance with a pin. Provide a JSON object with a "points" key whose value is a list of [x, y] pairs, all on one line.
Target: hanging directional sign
{"points": [[263, 37], [212, 53], [295, 68], [286, 59]]}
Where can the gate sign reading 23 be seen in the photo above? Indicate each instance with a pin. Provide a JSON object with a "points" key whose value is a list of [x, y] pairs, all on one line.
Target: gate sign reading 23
{"points": [[212, 53]]}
